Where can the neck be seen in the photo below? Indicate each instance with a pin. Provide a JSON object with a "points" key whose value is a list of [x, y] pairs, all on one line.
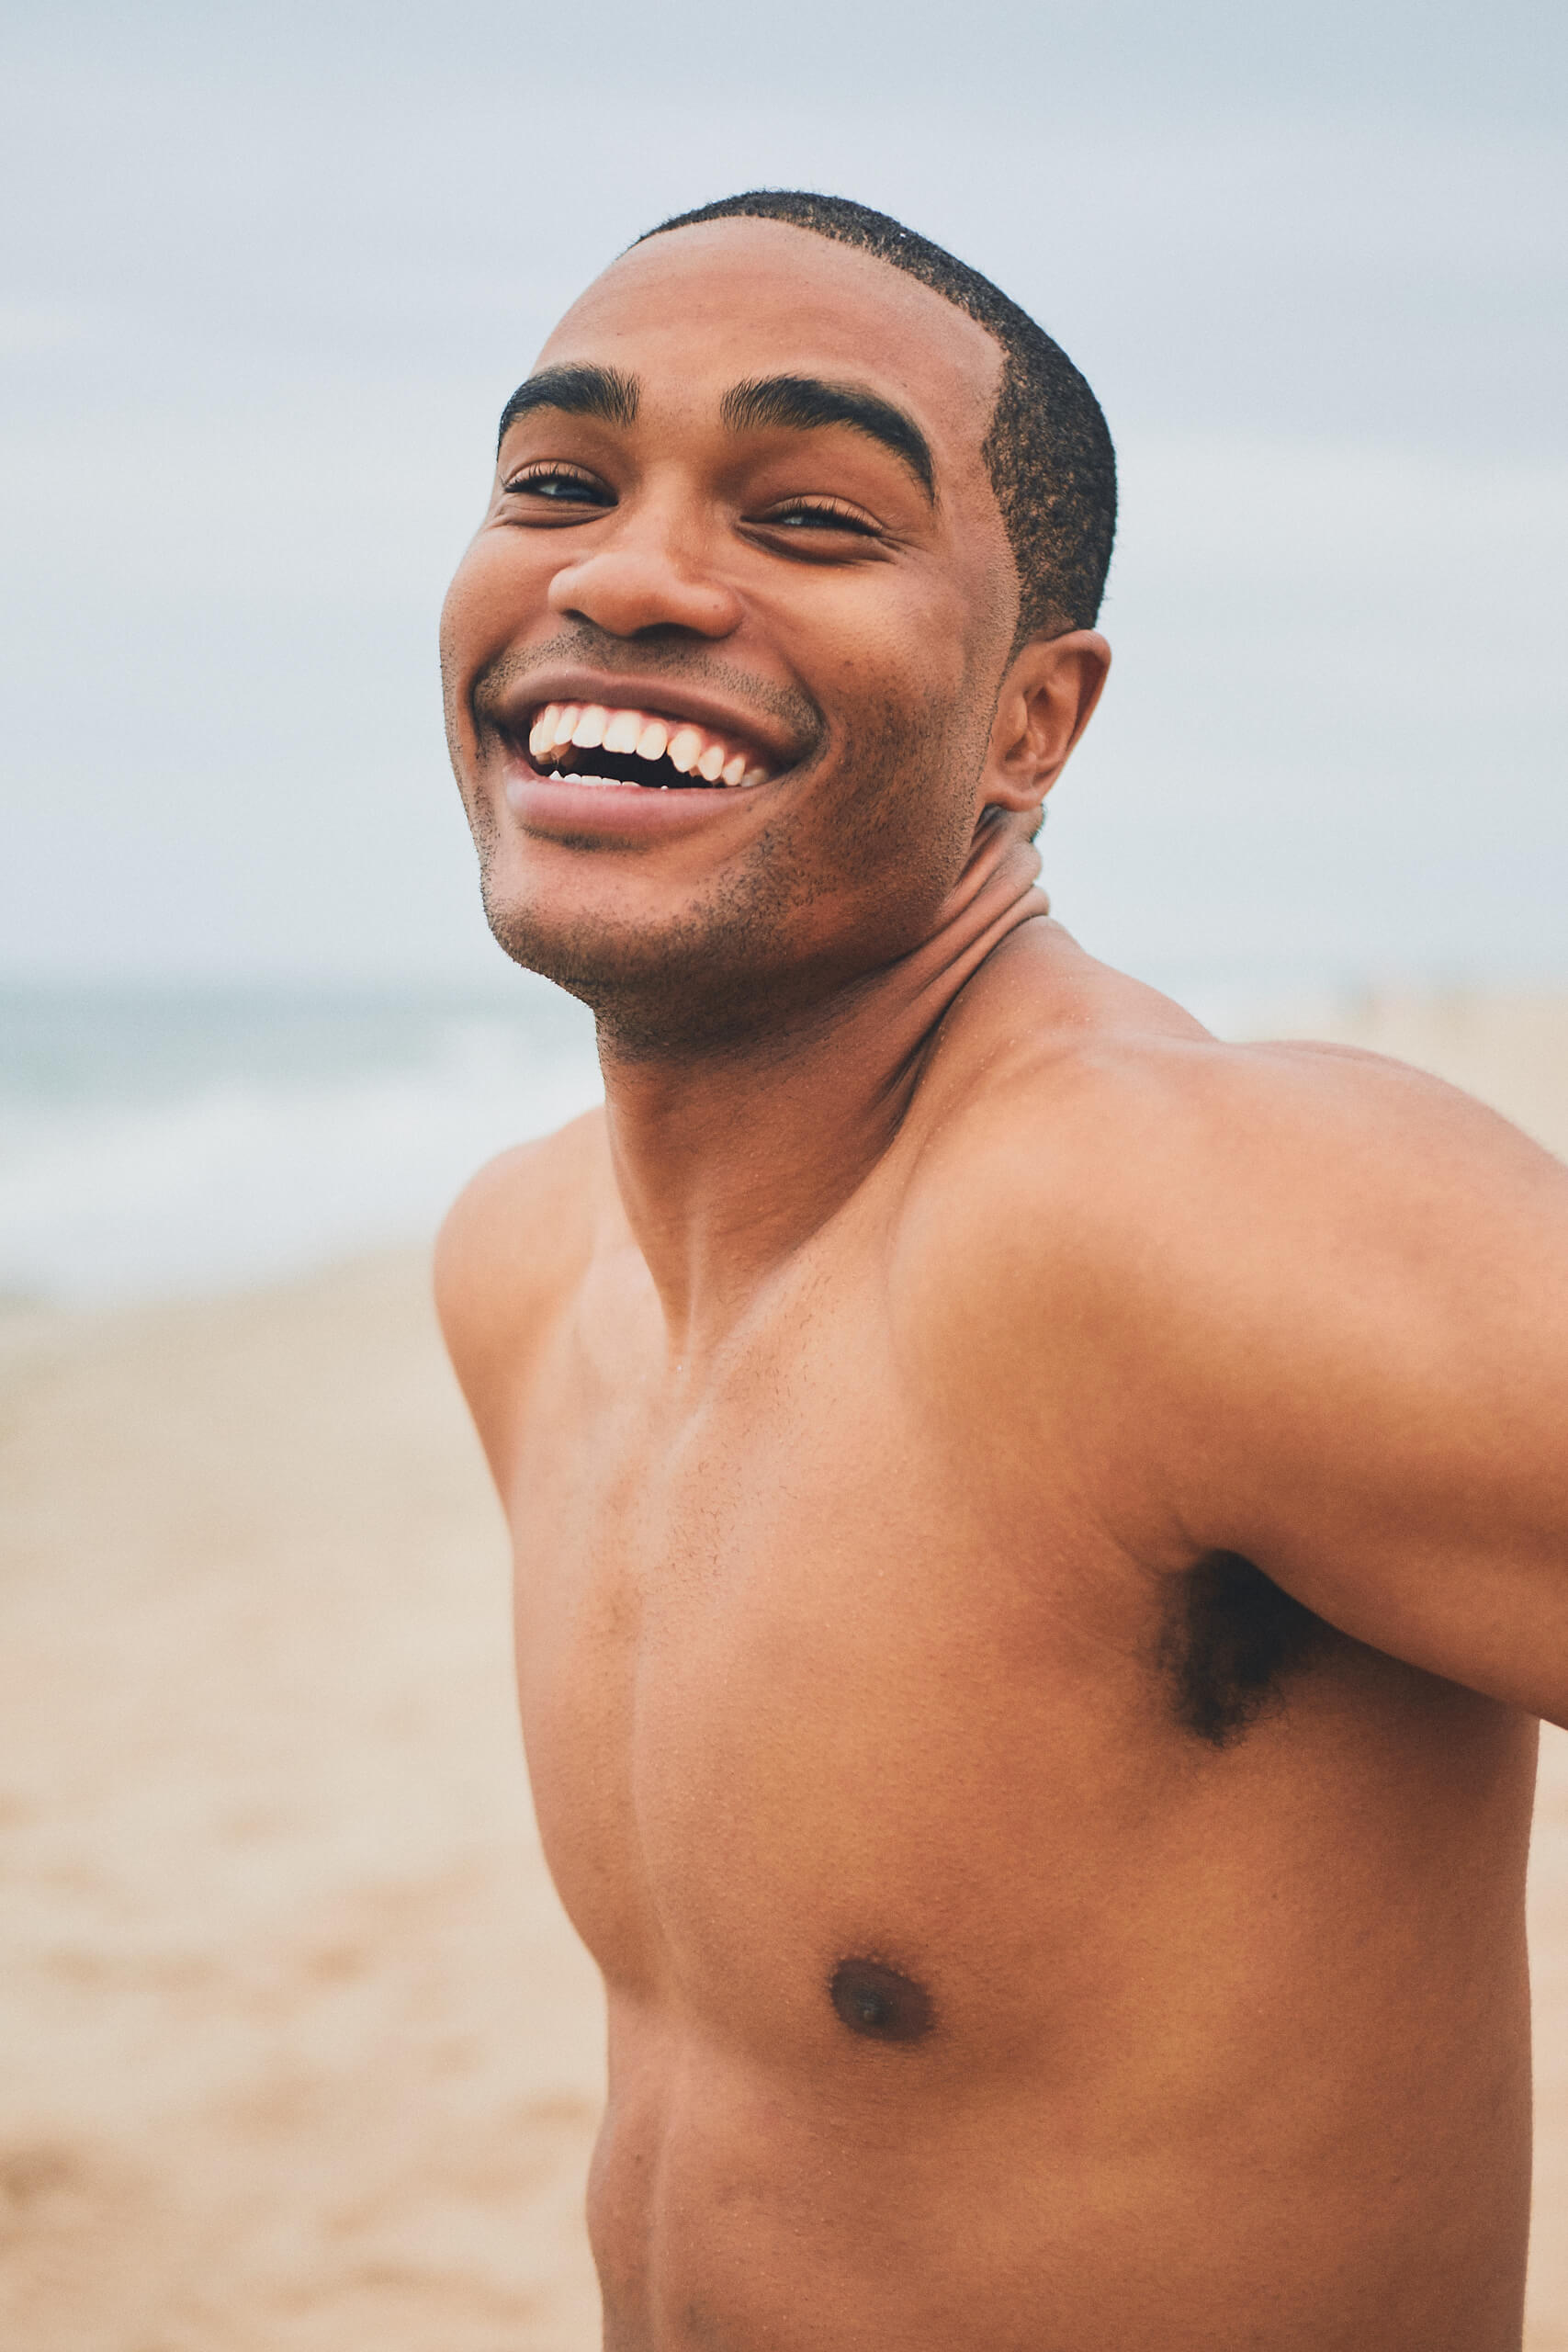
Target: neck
{"points": [[726, 1163]]}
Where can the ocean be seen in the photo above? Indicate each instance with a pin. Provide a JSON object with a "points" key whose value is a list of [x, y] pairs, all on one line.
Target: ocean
{"points": [[163, 1141]]}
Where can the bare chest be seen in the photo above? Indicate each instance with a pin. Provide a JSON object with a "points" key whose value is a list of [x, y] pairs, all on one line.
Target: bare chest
{"points": [[799, 1684]]}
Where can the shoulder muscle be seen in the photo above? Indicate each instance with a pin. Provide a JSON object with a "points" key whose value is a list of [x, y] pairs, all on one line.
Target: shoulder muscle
{"points": [[510, 1255], [1308, 1306]]}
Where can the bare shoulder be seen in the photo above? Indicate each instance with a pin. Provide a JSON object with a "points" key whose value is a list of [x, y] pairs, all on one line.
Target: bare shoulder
{"points": [[512, 1253], [1290, 1302], [1117, 1217], [1077, 1094]]}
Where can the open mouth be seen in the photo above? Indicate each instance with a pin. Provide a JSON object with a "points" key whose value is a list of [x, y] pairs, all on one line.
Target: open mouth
{"points": [[590, 744]]}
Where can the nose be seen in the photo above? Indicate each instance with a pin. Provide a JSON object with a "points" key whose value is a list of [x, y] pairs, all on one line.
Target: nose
{"points": [[652, 573]]}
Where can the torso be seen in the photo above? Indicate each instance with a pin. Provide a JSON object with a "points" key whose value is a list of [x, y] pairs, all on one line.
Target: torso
{"points": [[1009, 1943]]}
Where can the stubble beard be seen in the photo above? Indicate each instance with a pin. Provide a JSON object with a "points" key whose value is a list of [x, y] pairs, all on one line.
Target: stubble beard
{"points": [[685, 987], [721, 978]]}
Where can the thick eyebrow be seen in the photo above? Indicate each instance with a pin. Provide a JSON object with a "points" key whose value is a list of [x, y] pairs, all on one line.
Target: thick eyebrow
{"points": [[804, 403], [799, 403], [604, 393]]}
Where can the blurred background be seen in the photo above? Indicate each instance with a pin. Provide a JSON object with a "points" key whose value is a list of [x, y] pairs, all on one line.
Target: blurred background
{"points": [[299, 2053], [269, 275]]}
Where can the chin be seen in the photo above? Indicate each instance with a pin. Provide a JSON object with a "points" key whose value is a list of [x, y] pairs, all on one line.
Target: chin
{"points": [[692, 981]]}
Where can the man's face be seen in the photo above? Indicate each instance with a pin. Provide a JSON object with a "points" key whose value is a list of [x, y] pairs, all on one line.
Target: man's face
{"points": [[803, 586]]}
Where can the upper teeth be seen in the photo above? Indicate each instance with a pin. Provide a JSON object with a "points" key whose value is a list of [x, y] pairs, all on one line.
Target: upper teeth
{"points": [[690, 749]]}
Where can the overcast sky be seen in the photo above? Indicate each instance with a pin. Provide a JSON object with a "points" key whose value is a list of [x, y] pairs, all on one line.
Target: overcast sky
{"points": [[271, 273]]}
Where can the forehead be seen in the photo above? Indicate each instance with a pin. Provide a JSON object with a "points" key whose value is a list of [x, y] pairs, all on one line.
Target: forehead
{"points": [[697, 310]]}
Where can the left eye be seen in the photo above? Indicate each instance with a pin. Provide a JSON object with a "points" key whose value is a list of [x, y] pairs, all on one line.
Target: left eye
{"points": [[815, 518]]}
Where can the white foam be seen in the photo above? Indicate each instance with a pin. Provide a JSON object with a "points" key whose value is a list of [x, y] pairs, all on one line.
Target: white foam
{"points": [[248, 1178]]}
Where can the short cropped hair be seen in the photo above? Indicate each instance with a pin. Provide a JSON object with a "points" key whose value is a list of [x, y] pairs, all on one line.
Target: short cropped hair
{"points": [[1047, 448]]}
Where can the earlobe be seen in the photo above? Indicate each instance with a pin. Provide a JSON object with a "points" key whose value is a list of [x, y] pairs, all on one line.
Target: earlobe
{"points": [[1047, 699]]}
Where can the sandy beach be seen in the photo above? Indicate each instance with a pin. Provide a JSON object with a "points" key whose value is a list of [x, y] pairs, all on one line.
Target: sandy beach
{"points": [[299, 2053]]}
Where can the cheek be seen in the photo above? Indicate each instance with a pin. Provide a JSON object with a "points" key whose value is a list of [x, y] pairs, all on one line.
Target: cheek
{"points": [[477, 622], [921, 705], [459, 612], [491, 596], [904, 827], [895, 684], [934, 648]]}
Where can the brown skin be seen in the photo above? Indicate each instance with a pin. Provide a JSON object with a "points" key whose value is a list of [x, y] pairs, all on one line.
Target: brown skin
{"points": [[866, 1387]]}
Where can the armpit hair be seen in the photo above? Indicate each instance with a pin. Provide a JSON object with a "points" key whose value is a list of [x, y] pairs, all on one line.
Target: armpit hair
{"points": [[1233, 1640]]}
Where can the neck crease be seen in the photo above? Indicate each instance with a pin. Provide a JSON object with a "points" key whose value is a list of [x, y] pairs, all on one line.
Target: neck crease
{"points": [[726, 1163]]}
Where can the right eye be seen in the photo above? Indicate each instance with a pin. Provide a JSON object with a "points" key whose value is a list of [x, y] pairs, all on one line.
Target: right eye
{"points": [[557, 484]]}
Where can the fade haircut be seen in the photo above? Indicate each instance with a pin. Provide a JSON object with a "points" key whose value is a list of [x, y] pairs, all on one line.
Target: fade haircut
{"points": [[1047, 448]]}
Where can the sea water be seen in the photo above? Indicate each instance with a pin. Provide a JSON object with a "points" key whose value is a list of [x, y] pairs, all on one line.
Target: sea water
{"points": [[158, 1141]]}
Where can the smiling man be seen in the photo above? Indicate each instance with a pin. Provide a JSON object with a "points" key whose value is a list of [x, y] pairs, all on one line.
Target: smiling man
{"points": [[1040, 1537]]}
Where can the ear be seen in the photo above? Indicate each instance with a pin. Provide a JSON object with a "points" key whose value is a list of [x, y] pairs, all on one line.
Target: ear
{"points": [[1047, 699]]}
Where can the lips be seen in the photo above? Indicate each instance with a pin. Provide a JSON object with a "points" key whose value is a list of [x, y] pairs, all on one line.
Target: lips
{"points": [[599, 743]]}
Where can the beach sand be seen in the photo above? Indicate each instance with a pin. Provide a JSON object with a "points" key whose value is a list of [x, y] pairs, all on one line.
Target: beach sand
{"points": [[299, 2053]]}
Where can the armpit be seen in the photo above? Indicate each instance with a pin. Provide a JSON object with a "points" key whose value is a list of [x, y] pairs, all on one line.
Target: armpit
{"points": [[1232, 1641]]}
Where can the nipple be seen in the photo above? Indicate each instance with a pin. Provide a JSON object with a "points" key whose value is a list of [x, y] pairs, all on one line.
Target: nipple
{"points": [[879, 2002]]}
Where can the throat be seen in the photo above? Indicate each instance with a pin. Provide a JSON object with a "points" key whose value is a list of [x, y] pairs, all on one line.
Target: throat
{"points": [[730, 1153]]}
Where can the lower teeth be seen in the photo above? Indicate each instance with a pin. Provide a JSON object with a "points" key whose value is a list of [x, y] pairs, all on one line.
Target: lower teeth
{"points": [[576, 776]]}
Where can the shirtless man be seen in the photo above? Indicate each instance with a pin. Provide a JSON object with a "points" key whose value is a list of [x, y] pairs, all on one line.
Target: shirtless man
{"points": [[1041, 1537]]}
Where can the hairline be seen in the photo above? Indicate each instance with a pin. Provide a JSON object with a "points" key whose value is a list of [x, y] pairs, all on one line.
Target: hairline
{"points": [[826, 237]]}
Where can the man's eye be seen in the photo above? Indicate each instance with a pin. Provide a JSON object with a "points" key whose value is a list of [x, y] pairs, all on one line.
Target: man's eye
{"points": [[550, 482], [816, 515]]}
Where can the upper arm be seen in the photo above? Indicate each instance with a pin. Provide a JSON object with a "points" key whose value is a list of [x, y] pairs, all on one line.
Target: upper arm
{"points": [[1377, 1408], [1316, 1311], [508, 1256]]}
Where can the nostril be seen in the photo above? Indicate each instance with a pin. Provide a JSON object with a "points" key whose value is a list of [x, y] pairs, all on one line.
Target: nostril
{"points": [[623, 596]]}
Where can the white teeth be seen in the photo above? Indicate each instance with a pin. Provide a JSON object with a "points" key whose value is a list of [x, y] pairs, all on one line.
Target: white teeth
{"points": [[691, 749]]}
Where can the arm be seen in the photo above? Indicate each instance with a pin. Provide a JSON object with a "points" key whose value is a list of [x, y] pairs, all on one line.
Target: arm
{"points": [[1312, 1307], [508, 1259]]}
